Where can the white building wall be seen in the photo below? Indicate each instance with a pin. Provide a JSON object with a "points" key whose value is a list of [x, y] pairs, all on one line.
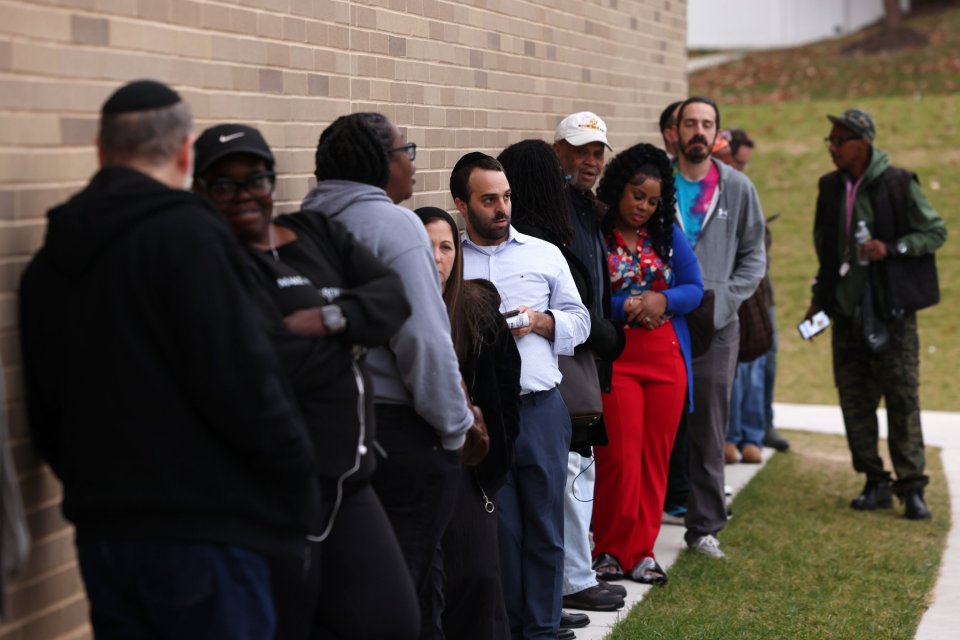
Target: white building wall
{"points": [[767, 24]]}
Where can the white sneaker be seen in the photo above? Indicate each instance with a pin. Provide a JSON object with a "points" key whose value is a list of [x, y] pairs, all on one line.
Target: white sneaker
{"points": [[708, 546]]}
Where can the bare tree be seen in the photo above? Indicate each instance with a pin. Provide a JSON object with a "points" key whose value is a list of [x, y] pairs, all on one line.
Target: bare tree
{"points": [[892, 18]]}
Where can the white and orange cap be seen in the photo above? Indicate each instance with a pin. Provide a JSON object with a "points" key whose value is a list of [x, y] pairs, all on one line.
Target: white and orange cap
{"points": [[582, 128]]}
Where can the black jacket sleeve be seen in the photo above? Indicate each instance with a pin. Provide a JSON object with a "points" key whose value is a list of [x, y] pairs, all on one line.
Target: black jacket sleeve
{"points": [[227, 365], [373, 301]]}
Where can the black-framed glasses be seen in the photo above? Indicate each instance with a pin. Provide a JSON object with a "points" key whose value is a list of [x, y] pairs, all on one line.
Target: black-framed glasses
{"points": [[222, 190], [410, 149], [838, 141]]}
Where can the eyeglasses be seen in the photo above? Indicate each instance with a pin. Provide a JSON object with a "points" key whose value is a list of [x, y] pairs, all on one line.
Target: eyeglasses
{"points": [[838, 141], [223, 190], [410, 149]]}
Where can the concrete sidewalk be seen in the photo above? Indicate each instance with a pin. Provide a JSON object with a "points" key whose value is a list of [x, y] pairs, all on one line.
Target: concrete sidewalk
{"points": [[941, 429]]}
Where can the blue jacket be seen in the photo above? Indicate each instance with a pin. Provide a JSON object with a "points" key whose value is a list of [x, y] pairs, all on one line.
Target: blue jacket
{"points": [[682, 298]]}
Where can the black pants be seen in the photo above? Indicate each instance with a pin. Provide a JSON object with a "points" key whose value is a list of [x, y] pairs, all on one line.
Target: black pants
{"points": [[678, 482], [471, 554], [417, 484]]}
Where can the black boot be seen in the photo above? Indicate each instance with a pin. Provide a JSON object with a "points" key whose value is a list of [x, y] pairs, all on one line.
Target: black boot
{"points": [[876, 494], [915, 506]]}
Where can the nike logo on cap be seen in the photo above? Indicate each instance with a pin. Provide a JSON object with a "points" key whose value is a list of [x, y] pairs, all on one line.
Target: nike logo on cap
{"points": [[232, 136]]}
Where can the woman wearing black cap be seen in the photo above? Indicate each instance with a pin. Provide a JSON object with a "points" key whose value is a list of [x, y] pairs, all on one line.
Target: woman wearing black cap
{"points": [[324, 298], [490, 365]]}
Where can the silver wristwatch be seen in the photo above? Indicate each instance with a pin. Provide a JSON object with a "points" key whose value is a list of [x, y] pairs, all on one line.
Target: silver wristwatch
{"points": [[333, 319]]}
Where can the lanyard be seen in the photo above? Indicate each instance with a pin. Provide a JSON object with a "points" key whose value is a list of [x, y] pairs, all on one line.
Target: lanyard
{"points": [[852, 188]]}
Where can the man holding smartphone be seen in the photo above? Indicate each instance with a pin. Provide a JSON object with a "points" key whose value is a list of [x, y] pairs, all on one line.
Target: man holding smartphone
{"points": [[898, 278], [532, 276]]}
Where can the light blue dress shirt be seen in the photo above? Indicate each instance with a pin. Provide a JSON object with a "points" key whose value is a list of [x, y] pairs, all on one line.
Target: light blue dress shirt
{"points": [[531, 272]]}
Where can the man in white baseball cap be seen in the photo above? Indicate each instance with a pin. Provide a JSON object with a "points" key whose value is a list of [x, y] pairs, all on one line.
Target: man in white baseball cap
{"points": [[580, 142]]}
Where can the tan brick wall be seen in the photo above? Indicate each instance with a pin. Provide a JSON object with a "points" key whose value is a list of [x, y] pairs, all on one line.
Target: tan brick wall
{"points": [[455, 75]]}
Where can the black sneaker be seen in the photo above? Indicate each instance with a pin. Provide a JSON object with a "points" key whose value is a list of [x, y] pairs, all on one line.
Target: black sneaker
{"points": [[774, 440], [876, 494]]}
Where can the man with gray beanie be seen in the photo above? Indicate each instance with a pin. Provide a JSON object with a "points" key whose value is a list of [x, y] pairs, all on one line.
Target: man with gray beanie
{"points": [[875, 234]]}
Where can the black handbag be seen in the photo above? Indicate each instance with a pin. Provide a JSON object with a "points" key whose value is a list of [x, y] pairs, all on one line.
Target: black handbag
{"points": [[580, 387], [700, 325]]}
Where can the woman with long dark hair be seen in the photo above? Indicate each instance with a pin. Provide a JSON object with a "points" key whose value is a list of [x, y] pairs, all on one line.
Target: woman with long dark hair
{"points": [[490, 365], [655, 281]]}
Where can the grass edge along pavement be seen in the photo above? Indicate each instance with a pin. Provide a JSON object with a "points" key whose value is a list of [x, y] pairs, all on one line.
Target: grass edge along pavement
{"points": [[801, 563]]}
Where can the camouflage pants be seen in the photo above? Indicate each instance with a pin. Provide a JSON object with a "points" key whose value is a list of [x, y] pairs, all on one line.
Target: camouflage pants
{"points": [[862, 378]]}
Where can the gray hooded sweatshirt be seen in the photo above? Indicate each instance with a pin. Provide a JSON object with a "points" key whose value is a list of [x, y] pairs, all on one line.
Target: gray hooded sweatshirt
{"points": [[419, 368], [730, 249]]}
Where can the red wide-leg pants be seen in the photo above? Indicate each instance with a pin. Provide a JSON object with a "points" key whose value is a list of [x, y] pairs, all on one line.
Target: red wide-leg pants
{"points": [[642, 412]]}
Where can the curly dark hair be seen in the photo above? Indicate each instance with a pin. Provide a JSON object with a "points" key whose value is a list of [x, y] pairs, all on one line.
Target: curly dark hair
{"points": [[354, 147], [537, 189], [633, 166]]}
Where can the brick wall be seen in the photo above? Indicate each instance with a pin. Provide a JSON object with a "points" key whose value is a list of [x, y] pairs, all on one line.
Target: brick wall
{"points": [[454, 75]]}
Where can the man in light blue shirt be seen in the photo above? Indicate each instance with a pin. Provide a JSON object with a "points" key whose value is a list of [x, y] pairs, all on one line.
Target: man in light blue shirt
{"points": [[533, 277]]}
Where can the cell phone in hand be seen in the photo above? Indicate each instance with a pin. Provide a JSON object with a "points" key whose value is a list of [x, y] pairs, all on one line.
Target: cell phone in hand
{"points": [[515, 319], [813, 326]]}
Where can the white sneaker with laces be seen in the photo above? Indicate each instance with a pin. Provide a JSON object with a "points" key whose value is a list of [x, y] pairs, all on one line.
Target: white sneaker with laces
{"points": [[708, 546]]}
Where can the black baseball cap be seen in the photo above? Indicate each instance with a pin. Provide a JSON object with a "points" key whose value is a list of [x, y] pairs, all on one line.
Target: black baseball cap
{"points": [[225, 139]]}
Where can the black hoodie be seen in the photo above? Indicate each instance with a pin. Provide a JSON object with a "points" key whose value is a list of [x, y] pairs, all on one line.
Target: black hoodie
{"points": [[151, 390]]}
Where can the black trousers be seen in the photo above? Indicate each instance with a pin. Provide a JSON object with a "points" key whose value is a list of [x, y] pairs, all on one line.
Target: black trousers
{"points": [[471, 555], [417, 484], [678, 481]]}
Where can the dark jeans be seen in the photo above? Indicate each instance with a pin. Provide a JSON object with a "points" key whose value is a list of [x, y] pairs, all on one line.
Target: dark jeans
{"points": [[166, 589], [862, 378], [417, 484], [530, 505]]}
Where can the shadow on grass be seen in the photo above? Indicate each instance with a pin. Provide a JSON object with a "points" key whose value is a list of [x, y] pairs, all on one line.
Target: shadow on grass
{"points": [[801, 563]]}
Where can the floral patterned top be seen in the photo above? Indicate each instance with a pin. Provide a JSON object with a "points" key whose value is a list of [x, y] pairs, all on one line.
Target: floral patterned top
{"points": [[633, 273]]}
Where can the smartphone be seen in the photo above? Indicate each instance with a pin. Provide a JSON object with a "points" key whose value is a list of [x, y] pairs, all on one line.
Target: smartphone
{"points": [[510, 314], [814, 326]]}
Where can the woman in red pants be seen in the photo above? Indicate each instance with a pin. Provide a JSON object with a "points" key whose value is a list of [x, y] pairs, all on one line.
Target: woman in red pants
{"points": [[655, 281]]}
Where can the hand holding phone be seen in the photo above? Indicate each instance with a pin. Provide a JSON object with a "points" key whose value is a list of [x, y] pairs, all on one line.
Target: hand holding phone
{"points": [[813, 325], [515, 319]]}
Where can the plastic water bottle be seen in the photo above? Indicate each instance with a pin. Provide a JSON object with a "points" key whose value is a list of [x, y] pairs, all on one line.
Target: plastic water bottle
{"points": [[862, 236]]}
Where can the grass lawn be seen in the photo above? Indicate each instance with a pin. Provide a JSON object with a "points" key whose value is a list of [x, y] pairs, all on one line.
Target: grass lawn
{"points": [[921, 131], [801, 563]]}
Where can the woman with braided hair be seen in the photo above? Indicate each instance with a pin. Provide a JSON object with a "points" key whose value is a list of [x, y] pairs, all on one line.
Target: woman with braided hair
{"points": [[423, 417], [655, 281]]}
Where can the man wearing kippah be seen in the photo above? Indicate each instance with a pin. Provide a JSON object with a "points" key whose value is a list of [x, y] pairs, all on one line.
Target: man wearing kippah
{"points": [[875, 234], [155, 396]]}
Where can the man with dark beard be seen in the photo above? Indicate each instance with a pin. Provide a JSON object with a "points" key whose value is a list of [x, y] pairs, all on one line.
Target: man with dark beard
{"points": [[719, 212], [533, 279]]}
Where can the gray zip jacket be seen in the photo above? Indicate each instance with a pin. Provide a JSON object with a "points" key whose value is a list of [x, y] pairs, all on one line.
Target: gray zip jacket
{"points": [[730, 249], [419, 368]]}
